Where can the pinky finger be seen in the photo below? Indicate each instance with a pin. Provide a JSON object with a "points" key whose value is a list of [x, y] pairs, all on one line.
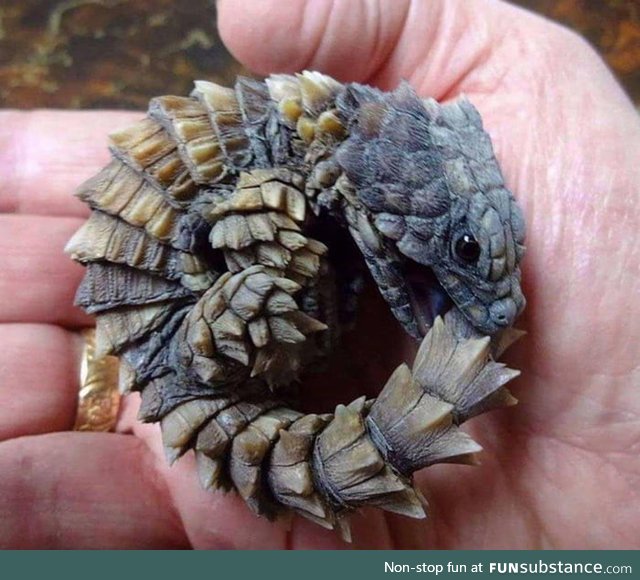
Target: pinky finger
{"points": [[82, 491], [39, 374]]}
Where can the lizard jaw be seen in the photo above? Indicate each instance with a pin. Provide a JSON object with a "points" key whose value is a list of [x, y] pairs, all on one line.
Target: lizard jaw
{"points": [[427, 298]]}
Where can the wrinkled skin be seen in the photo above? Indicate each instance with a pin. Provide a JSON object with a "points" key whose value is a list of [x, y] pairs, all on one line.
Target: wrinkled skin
{"points": [[560, 470]]}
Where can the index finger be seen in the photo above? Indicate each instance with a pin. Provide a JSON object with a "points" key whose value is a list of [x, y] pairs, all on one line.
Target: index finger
{"points": [[45, 155]]}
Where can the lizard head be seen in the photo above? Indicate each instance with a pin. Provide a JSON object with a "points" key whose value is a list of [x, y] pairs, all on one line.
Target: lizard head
{"points": [[426, 203]]}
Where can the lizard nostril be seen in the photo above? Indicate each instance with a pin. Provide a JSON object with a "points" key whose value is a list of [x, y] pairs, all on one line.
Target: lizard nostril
{"points": [[503, 312]]}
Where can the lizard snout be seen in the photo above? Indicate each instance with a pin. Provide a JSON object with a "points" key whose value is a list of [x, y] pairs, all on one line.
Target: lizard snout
{"points": [[503, 312]]}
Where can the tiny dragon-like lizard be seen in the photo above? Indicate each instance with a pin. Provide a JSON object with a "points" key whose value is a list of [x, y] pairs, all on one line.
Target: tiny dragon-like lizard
{"points": [[221, 263]]}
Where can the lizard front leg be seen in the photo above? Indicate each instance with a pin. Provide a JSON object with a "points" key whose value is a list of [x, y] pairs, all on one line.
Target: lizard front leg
{"points": [[259, 230]]}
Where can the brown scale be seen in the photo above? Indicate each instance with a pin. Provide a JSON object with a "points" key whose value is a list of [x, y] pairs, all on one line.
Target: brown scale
{"points": [[120, 191], [245, 336]]}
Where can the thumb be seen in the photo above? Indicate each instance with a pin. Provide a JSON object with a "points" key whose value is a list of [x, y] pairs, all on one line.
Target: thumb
{"points": [[344, 38], [441, 47]]}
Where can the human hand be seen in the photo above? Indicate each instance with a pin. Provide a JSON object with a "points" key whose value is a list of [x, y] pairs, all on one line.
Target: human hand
{"points": [[560, 470]]}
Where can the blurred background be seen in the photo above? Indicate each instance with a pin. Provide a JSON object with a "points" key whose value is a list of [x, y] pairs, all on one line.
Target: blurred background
{"points": [[120, 53]]}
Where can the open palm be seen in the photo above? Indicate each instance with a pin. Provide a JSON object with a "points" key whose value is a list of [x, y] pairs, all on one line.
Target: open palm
{"points": [[560, 470]]}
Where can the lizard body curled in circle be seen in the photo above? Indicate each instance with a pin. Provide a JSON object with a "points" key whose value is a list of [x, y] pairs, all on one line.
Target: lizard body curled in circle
{"points": [[220, 265]]}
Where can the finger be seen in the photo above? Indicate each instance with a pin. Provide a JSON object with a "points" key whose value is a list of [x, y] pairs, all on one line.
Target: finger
{"points": [[39, 366], [84, 490], [437, 45], [38, 280], [45, 155], [351, 38]]}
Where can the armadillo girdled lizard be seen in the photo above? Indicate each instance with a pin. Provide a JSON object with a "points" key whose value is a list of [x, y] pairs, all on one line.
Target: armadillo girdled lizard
{"points": [[216, 269]]}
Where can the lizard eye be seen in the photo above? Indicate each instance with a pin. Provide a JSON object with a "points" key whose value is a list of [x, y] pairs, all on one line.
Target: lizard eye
{"points": [[467, 249]]}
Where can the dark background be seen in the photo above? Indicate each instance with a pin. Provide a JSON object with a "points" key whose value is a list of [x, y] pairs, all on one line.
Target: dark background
{"points": [[120, 53]]}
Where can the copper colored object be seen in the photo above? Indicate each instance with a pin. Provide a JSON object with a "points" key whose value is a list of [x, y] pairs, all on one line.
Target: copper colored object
{"points": [[98, 397]]}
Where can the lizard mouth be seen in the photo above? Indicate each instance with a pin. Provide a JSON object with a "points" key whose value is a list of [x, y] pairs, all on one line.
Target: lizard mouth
{"points": [[427, 297]]}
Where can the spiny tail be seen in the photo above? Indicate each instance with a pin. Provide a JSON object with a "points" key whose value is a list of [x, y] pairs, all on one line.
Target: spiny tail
{"points": [[325, 466]]}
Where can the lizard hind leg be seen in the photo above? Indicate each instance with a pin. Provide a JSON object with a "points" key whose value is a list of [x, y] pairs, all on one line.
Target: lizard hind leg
{"points": [[247, 325]]}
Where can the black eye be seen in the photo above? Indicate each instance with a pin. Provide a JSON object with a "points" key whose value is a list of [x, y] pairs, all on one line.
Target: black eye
{"points": [[467, 249]]}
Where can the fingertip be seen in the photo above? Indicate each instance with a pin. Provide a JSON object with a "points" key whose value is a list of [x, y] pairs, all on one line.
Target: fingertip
{"points": [[267, 35]]}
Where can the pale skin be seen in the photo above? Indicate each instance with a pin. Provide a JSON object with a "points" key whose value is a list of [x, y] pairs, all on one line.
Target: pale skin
{"points": [[560, 470]]}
